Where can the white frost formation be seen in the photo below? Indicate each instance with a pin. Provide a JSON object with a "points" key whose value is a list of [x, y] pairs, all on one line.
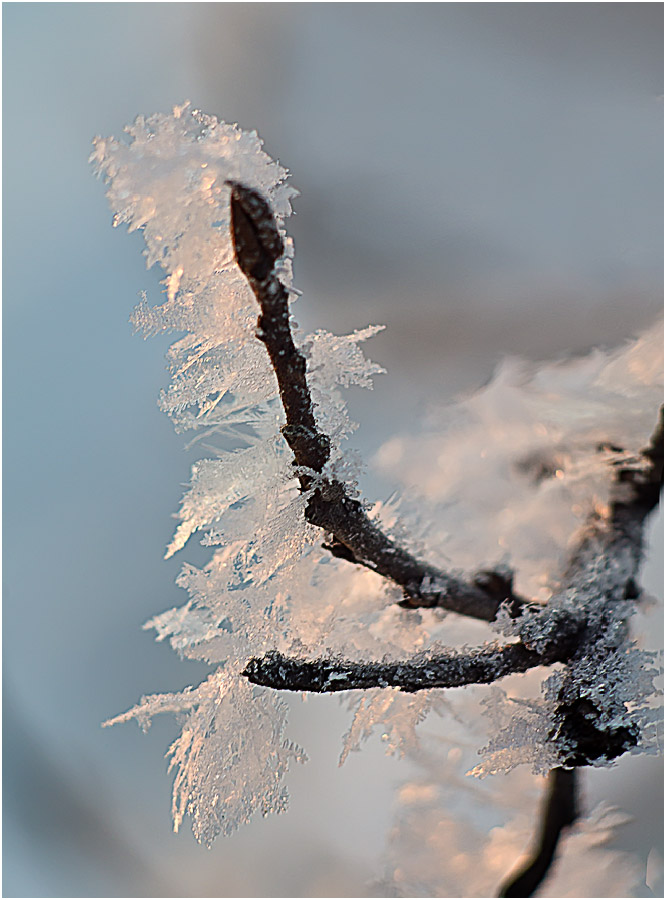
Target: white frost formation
{"points": [[518, 466], [268, 584], [522, 463]]}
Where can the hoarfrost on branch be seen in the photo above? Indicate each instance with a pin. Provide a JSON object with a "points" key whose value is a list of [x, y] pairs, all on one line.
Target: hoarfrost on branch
{"points": [[519, 487]]}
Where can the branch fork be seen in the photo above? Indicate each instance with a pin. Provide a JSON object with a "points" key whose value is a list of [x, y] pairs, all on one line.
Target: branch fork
{"points": [[258, 245], [352, 536]]}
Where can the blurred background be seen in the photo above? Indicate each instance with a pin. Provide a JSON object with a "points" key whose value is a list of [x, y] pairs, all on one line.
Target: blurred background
{"points": [[482, 178]]}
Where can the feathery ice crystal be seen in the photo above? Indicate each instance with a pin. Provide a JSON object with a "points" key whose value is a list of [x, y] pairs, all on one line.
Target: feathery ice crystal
{"points": [[268, 583]]}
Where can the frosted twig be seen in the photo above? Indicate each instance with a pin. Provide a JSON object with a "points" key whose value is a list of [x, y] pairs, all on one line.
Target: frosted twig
{"points": [[482, 665], [258, 246], [168, 181], [601, 572]]}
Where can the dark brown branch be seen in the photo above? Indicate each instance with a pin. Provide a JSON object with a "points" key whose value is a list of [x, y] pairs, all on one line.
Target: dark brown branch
{"points": [[258, 246], [560, 810], [480, 666], [605, 563]]}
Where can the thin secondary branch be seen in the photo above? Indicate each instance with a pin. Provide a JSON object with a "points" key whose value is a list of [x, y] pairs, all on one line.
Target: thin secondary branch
{"points": [[258, 246], [605, 563], [560, 810], [483, 665]]}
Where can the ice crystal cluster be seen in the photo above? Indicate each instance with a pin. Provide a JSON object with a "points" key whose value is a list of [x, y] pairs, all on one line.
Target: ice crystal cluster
{"points": [[535, 447], [268, 583], [519, 465]]}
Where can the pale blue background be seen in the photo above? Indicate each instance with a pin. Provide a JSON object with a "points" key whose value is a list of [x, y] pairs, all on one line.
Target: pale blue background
{"points": [[481, 178]]}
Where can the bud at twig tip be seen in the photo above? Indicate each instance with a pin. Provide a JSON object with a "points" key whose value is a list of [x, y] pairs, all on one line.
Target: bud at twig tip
{"points": [[254, 232]]}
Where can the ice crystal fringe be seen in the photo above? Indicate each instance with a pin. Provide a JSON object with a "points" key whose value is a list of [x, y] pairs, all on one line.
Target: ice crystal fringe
{"points": [[168, 180]]}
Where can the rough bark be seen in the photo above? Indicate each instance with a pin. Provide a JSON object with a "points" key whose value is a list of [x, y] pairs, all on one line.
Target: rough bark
{"points": [[482, 666]]}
